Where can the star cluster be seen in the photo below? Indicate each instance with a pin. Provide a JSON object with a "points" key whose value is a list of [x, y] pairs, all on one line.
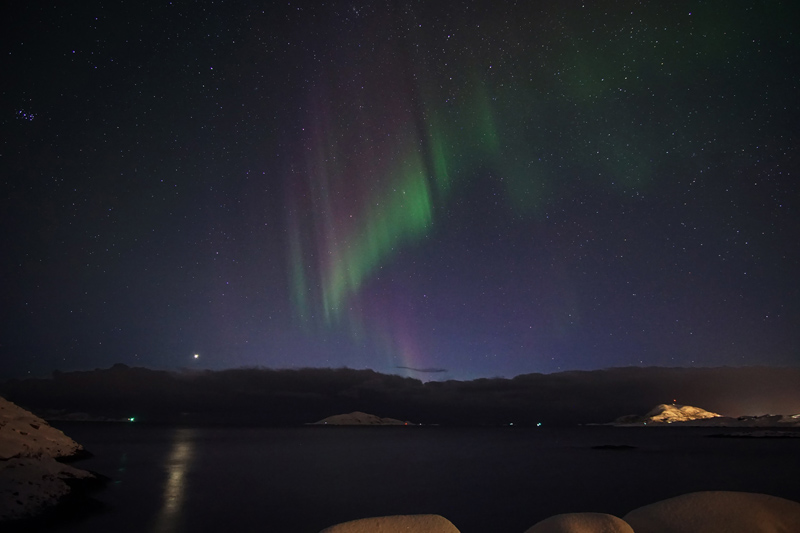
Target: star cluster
{"points": [[480, 188]]}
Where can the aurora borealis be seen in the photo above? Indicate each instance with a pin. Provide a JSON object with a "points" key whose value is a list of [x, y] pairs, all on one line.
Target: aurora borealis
{"points": [[475, 188]]}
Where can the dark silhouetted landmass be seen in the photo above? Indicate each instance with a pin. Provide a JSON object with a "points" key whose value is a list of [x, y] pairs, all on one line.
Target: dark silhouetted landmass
{"points": [[294, 397]]}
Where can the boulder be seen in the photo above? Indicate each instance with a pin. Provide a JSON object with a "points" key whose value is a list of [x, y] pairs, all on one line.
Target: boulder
{"points": [[717, 512], [581, 523], [421, 523]]}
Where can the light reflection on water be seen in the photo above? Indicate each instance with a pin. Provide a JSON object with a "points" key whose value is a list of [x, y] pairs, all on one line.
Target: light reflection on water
{"points": [[178, 465]]}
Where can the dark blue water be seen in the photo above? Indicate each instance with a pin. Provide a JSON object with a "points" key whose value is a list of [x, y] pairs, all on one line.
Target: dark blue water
{"points": [[169, 479]]}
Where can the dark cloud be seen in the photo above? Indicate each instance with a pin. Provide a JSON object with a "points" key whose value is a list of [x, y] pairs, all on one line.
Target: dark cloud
{"points": [[428, 370]]}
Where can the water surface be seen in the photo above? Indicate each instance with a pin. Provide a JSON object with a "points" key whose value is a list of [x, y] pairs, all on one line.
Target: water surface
{"points": [[175, 479]]}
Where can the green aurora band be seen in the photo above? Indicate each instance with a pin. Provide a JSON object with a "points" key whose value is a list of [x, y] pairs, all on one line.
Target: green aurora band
{"points": [[399, 214], [377, 176]]}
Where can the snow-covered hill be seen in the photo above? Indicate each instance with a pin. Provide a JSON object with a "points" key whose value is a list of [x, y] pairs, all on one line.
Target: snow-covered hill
{"points": [[31, 480], [357, 418]]}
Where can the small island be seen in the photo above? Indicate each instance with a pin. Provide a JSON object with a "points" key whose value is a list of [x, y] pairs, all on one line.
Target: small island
{"points": [[357, 418], [667, 414], [687, 415]]}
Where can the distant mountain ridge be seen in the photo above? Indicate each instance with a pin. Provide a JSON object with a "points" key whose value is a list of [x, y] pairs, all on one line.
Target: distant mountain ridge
{"points": [[270, 397]]}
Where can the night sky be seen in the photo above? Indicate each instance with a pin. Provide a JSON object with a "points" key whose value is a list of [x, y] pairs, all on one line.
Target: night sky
{"points": [[444, 190]]}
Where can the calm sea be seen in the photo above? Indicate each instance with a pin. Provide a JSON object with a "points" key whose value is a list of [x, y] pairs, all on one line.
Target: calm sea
{"points": [[175, 479]]}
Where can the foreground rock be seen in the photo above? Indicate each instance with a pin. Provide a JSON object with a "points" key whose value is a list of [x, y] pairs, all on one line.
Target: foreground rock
{"points": [[717, 512], [29, 486], [697, 512], [581, 523], [423, 523], [357, 418], [31, 480]]}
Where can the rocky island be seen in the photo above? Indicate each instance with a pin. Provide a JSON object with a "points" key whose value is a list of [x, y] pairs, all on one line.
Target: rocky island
{"points": [[357, 418], [667, 414], [687, 415]]}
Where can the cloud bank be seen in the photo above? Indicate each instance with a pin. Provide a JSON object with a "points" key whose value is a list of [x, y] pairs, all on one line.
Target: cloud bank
{"points": [[424, 370]]}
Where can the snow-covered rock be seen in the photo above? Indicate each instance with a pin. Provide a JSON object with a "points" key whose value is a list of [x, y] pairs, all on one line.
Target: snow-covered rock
{"points": [[678, 413], [761, 434], [668, 414], [30, 485], [23, 434], [422, 523], [31, 480], [717, 512], [581, 523], [357, 418], [775, 421], [686, 415]]}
